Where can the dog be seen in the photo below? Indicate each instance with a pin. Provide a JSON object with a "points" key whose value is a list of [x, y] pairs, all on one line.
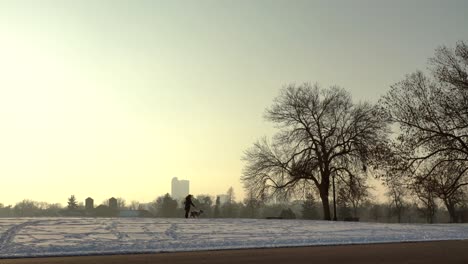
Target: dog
{"points": [[195, 214]]}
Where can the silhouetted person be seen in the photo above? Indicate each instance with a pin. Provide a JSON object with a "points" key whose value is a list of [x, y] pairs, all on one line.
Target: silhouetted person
{"points": [[188, 202]]}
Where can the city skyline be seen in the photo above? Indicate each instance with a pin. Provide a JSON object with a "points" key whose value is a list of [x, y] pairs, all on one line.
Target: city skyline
{"points": [[179, 188]]}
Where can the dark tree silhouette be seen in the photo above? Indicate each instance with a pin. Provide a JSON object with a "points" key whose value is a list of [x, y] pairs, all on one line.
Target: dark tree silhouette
{"points": [[217, 208], [205, 203], [231, 197], [135, 205], [26, 208], [446, 181], [165, 206], [230, 209], [121, 203], [425, 193], [375, 211], [287, 214], [72, 203], [344, 207], [432, 114], [309, 209], [354, 191], [251, 206], [397, 194], [322, 133]]}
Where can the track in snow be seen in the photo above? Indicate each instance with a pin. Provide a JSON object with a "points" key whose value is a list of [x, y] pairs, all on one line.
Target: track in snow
{"points": [[9, 235]]}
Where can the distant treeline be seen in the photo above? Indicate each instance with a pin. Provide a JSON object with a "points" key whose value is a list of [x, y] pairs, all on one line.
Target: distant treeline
{"points": [[167, 207]]}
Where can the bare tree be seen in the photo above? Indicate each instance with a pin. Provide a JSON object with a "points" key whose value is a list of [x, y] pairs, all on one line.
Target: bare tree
{"points": [[344, 207], [309, 210], [231, 197], [354, 191], [230, 209], [217, 208], [251, 206], [121, 203], [432, 113], [205, 203], [425, 193], [447, 181], [427, 127], [450, 66], [134, 205], [26, 208], [322, 133], [397, 193], [375, 211]]}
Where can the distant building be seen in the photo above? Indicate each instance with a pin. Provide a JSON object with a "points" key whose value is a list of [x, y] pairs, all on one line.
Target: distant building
{"points": [[179, 188], [113, 203], [89, 203], [223, 198], [110, 210]]}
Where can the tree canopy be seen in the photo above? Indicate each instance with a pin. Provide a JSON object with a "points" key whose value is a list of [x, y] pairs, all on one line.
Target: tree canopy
{"points": [[321, 134]]}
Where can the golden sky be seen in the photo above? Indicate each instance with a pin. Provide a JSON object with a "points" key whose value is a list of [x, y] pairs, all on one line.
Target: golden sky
{"points": [[115, 98]]}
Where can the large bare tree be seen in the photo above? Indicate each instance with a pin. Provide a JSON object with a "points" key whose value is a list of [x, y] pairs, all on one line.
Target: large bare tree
{"points": [[432, 113], [321, 134], [446, 181]]}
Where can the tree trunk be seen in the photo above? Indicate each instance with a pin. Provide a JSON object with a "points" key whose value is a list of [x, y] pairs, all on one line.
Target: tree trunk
{"points": [[431, 214], [451, 209], [325, 203], [355, 208], [453, 216]]}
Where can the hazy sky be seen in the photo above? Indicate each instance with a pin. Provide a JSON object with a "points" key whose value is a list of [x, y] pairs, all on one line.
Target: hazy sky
{"points": [[114, 98]]}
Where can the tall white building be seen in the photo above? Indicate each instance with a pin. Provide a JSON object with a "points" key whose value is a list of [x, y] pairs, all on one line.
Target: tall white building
{"points": [[179, 188]]}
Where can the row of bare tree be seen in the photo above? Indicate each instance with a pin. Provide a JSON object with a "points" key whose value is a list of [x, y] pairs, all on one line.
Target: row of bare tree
{"points": [[414, 139]]}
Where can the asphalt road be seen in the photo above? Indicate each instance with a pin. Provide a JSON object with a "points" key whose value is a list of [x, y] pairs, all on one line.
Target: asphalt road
{"points": [[427, 252]]}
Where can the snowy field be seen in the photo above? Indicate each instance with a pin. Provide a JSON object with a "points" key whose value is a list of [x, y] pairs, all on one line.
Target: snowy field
{"points": [[25, 237]]}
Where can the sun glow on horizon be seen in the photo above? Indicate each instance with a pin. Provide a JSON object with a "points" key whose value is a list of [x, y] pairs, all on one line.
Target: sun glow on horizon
{"points": [[113, 98]]}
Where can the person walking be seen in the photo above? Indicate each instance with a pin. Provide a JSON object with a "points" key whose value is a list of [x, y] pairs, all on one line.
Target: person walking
{"points": [[188, 202]]}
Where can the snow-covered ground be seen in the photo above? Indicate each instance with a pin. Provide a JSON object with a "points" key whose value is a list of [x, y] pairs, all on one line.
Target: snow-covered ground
{"points": [[22, 237]]}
